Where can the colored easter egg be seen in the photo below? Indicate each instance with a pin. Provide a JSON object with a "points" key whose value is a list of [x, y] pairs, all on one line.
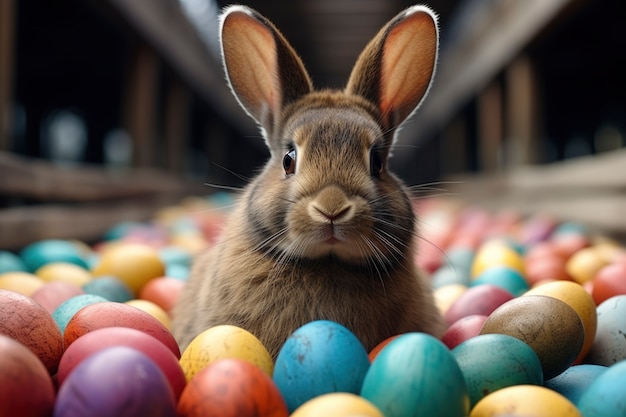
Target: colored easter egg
{"points": [[319, 358], [52, 294], [116, 381], [337, 404], [64, 271], [30, 324], [503, 277], [546, 268], [22, 282], [578, 298], [134, 264], [609, 282], [152, 309], [446, 295], [66, 310], [525, 400], [110, 314], [496, 254], [447, 275], [568, 244], [374, 352], [494, 361], [575, 380], [583, 265], [463, 329], [416, 373], [481, 300], [43, 252], [605, 396], [608, 346], [26, 388], [162, 291], [231, 388], [172, 255], [9, 262], [548, 325], [110, 288], [223, 342], [100, 339]]}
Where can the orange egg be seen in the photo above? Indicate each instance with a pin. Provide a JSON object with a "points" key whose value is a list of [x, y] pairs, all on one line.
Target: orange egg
{"points": [[163, 291]]}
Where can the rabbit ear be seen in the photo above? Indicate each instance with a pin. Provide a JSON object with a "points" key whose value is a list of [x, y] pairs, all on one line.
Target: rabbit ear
{"points": [[396, 68], [263, 70]]}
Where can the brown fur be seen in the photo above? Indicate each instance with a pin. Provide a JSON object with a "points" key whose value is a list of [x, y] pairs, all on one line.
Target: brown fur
{"points": [[333, 241]]}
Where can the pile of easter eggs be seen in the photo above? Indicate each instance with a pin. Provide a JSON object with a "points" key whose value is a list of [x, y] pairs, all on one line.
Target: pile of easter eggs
{"points": [[536, 314]]}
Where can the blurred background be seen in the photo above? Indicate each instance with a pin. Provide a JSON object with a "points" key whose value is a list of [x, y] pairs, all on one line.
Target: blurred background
{"points": [[112, 108]]}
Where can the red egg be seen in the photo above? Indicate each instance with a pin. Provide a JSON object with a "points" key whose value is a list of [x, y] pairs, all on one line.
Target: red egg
{"points": [[110, 314], [99, 339], [481, 300], [24, 320], [53, 294], [608, 282], [546, 268], [231, 388], [163, 292], [374, 352], [463, 329], [26, 388]]}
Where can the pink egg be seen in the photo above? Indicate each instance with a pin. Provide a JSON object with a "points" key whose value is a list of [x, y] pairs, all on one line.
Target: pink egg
{"points": [[463, 329], [163, 292], [481, 300], [609, 282], [546, 268], [53, 294]]}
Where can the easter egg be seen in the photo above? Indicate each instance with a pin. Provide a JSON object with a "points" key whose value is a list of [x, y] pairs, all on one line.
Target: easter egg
{"points": [[608, 282], [22, 319], [548, 325], [222, 342], [481, 299], [446, 295], [66, 310], [496, 254], [100, 339], [116, 381], [10, 262], [525, 400], [26, 388], [583, 265], [578, 298], [231, 388], [52, 294], [575, 380], [22, 282], [110, 288], [374, 352], [162, 291], [416, 372], [110, 314], [463, 329], [605, 396], [547, 268], [608, 346], [447, 275], [64, 271], [494, 361], [337, 404], [152, 309], [504, 277], [44, 252], [319, 358], [134, 264]]}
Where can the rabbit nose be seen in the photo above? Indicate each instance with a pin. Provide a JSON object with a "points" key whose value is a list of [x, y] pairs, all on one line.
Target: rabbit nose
{"points": [[331, 204]]}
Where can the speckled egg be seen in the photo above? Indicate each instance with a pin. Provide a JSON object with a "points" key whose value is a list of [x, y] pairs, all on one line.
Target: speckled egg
{"points": [[525, 401], [416, 372], [575, 380], [319, 358], [551, 327], [337, 404], [608, 346], [231, 388], [66, 310], [605, 397]]}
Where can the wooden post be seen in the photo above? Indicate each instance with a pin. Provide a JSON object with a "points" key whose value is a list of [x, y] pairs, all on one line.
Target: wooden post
{"points": [[454, 146], [490, 130], [7, 28], [176, 127]]}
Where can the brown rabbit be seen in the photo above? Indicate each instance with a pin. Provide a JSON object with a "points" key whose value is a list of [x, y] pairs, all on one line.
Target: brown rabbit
{"points": [[325, 231]]}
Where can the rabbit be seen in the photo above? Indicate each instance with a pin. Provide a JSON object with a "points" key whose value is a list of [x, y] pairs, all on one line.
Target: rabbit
{"points": [[324, 231]]}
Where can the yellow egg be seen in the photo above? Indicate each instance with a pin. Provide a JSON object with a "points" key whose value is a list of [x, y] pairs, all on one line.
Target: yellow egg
{"points": [[580, 300], [132, 263], [583, 265], [496, 253], [446, 295], [222, 342], [152, 309], [337, 404], [21, 282], [525, 400], [65, 272]]}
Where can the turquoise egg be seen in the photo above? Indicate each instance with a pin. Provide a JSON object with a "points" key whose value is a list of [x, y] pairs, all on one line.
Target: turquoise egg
{"points": [[40, 253], [110, 288], [494, 361], [9, 262], [503, 277], [320, 357], [415, 374], [575, 380], [122, 229], [176, 271], [448, 274], [172, 255], [606, 396], [66, 310]]}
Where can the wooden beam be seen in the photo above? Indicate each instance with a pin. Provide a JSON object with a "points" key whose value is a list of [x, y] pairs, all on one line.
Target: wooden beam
{"points": [[176, 129], [7, 35], [490, 130]]}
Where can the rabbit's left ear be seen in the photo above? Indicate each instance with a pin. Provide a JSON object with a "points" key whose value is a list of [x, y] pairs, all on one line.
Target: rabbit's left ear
{"points": [[396, 68]]}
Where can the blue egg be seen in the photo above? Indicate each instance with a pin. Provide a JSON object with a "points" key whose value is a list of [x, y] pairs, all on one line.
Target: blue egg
{"points": [[415, 374], [575, 380], [172, 255], [606, 396], [318, 358], [447, 275], [176, 271], [493, 361], [9, 262], [40, 253], [121, 230], [503, 277], [110, 288], [570, 228], [66, 310]]}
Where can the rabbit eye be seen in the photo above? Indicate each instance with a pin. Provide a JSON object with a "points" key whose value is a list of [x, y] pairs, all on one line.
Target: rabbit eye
{"points": [[376, 162], [289, 162]]}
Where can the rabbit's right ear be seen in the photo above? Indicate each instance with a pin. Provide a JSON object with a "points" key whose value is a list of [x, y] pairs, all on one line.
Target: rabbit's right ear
{"points": [[263, 70]]}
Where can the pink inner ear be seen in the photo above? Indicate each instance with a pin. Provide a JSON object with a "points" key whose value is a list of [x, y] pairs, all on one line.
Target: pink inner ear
{"points": [[250, 56], [408, 63]]}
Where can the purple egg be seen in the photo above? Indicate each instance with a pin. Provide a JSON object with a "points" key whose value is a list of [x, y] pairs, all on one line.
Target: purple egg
{"points": [[117, 381]]}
